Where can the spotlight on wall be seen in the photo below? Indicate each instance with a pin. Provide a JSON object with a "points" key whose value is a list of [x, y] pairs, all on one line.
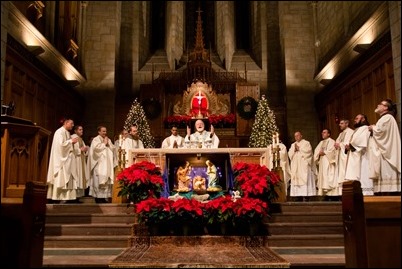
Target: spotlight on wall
{"points": [[325, 81], [73, 83], [36, 50], [361, 48]]}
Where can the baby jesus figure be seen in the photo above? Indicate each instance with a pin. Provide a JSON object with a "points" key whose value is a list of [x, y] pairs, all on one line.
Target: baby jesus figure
{"points": [[199, 183]]}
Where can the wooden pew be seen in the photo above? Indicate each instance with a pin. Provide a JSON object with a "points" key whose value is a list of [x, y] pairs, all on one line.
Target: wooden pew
{"points": [[372, 228]]}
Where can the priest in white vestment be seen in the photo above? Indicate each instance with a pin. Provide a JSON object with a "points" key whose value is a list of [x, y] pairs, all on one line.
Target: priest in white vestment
{"points": [[301, 168], [80, 159], [136, 143], [101, 165], [325, 161], [340, 143], [284, 162], [357, 166], [385, 150], [202, 138], [126, 143], [174, 140], [61, 174]]}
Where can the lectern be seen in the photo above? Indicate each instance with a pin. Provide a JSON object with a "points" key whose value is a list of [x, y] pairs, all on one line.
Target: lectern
{"points": [[24, 156], [24, 161]]}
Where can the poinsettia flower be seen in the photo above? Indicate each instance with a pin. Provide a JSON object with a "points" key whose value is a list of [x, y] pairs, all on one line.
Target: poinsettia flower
{"points": [[140, 181]]}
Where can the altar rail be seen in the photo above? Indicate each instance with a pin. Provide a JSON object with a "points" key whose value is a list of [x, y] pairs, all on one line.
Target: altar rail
{"points": [[372, 228]]}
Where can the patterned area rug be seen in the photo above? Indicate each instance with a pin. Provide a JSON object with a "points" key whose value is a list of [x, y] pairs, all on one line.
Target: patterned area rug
{"points": [[199, 252]]}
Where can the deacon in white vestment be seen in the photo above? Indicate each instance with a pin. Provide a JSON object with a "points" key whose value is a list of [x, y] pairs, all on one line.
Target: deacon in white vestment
{"points": [[201, 137], [301, 168], [341, 141], [62, 172], [101, 165], [357, 165], [284, 162], [174, 140], [80, 158], [126, 143], [385, 150], [325, 161]]}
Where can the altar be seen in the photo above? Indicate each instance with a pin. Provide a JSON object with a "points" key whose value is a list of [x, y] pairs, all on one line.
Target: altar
{"points": [[169, 160]]}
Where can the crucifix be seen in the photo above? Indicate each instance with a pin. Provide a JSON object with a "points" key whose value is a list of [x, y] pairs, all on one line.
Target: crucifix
{"points": [[199, 97]]}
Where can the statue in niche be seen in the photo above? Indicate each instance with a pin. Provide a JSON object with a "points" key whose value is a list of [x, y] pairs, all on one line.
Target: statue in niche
{"points": [[222, 107], [177, 108]]}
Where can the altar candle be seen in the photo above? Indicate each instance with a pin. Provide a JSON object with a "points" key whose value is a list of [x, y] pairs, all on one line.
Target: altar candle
{"points": [[277, 137], [273, 140], [120, 140]]}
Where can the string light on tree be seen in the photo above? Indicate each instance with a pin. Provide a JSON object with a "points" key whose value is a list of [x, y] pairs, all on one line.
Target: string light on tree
{"points": [[136, 116], [264, 131]]}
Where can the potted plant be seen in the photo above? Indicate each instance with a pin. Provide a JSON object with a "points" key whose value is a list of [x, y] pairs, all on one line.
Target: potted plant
{"points": [[140, 181], [248, 215], [155, 213], [187, 215], [219, 214], [256, 181]]}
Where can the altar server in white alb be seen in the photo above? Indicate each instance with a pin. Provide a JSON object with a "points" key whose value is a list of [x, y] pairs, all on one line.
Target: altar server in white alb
{"points": [[202, 137], [325, 161], [80, 158], [357, 165], [301, 167], [385, 150], [340, 143], [61, 174], [101, 163], [284, 160], [173, 141]]}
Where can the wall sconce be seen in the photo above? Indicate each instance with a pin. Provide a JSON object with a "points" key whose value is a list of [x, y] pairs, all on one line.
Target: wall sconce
{"points": [[361, 48], [73, 83], [36, 50], [325, 81]]}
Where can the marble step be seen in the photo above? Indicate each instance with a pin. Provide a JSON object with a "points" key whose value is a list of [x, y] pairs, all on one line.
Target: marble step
{"points": [[77, 218], [307, 240], [298, 257], [291, 228], [106, 229], [307, 207], [89, 241], [302, 217], [106, 208]]}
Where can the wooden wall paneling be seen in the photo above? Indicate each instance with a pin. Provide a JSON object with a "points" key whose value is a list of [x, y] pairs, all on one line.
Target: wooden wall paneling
{"points": [[390, 78], [356, 99], [29, 98], [243, 127], [17, 91], [22, 86], [155, 91], [40, 107]]}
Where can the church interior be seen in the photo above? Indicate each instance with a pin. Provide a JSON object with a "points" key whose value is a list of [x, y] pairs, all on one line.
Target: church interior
{"points": [[315, 62]]}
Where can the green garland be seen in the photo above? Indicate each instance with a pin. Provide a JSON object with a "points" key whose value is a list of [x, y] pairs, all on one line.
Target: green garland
{"points": [[152, 108], [247, 107]]}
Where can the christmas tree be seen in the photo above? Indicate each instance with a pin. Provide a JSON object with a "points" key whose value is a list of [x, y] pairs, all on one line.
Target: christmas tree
{"points": [[136, 116], [264, 127]]}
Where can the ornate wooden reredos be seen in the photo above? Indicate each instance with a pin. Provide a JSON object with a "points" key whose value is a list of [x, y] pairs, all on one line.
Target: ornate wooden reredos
{"points": [[197, 89]]}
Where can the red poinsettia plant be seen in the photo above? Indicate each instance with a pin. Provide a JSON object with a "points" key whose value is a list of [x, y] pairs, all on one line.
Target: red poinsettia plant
{"points": [[255, 181], [187, 210], [220, 210], [140, 181], [250, 209], [228, 120], [180, 121], [154, 210]]}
